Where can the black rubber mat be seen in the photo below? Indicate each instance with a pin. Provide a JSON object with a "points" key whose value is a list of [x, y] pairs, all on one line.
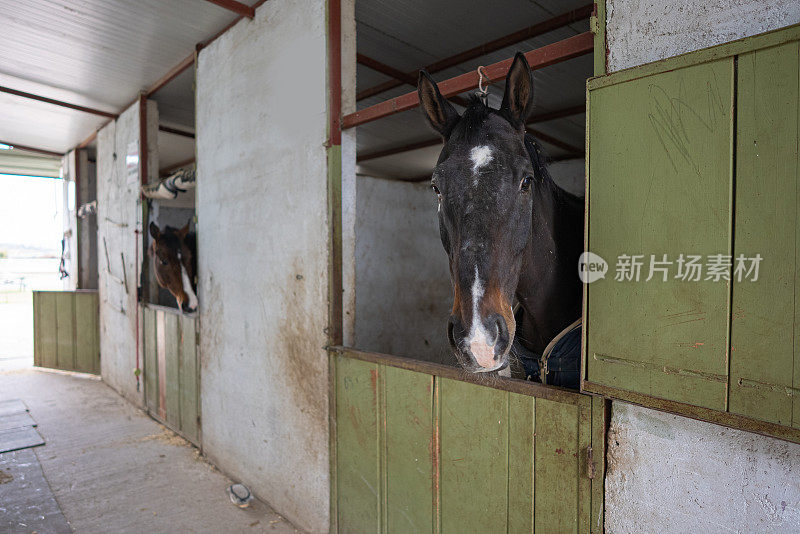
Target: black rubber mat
{"points": [[27, 504], [17, 427]]}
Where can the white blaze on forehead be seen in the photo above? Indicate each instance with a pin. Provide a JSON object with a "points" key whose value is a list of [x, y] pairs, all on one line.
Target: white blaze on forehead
{"points": [[187, 288], [478, 337], [480, 156]]}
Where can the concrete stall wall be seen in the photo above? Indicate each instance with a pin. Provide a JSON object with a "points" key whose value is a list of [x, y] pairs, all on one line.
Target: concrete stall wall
{"points": [[668, 473], [87, 226], [642, 31], [403, 291], [262, 225], [119, 214]]}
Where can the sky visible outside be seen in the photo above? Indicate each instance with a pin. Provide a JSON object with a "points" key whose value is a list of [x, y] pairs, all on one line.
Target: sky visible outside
{"points": [[30, 212]]}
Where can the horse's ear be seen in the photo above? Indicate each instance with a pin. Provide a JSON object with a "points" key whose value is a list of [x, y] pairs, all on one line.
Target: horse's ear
{"points": [[440, 113], [154, 231], [183, 232], [518, 97]]}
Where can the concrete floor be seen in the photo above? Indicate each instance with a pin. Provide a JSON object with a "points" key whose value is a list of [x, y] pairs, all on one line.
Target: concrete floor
{"points": [[113, 469]]}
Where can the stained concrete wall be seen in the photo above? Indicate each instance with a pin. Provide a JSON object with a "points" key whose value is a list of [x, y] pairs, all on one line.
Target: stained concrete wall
{"points": [[641, 31], [119, 215], [667, 473], [403, 291], [263, 256]]}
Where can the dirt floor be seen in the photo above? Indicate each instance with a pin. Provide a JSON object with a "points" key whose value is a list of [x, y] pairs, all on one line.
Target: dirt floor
{"points": [[113, 469]]}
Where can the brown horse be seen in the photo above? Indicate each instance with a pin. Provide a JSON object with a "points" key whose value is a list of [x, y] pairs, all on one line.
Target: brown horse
{"points": [[173, 253], [508, 229]]}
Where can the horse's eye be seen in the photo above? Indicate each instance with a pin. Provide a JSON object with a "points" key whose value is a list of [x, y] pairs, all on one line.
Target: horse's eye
{"points": [[525, 184], [164, 262], [436, 189]]}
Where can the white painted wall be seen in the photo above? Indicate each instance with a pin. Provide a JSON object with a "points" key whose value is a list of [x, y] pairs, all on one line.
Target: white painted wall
{"points": [[668, 474], [119, 214], [403, 291], [263, 256], [642, 31]]}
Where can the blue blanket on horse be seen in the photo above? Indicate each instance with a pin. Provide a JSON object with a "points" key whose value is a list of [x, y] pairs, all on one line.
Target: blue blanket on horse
{"points": [[562, 360]]}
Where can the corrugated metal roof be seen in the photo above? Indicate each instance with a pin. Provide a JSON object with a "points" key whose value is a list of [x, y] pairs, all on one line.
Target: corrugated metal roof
{"points": [[98, 53], [408, 34]]}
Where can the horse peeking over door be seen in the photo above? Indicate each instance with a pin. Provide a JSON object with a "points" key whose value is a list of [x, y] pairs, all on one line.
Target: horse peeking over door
{"points": [[174, 262], [508, 229]]}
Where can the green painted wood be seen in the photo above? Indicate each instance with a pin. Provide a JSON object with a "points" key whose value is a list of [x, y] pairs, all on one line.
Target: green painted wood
{"points": [[358, 479], [599, 422], [409, 444], [417, 452], [65, 330], [87, 349], [661, 180], [37, 336], [764, 326], [474, 457], [173, 346], [150, 359], [47, 330], [558, 469], [521, 465], [187, 370]]}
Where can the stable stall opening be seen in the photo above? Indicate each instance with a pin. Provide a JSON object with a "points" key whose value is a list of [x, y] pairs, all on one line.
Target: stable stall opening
{"points": [[171, 199], [400, 272]]}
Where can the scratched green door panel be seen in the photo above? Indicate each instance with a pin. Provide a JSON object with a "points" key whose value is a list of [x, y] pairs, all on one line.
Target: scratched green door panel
{"points": [[410, 477], [474, 457], [660, 183], [417, 452], [66, 330], [171, 372], [358, 480], [765, 336]]}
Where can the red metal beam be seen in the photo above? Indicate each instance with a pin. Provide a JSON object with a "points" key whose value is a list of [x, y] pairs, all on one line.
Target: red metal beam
{"points": [[541, 57], [237, 7], [55, 102], [42, 151], [542, 117], [549, 25]]}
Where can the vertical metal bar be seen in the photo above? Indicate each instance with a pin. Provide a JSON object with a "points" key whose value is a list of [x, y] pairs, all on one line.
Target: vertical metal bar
{"points": [[335, 297]]}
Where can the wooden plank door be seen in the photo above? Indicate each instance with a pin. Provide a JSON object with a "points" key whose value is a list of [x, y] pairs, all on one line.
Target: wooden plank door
{"points": [[66, 330], [171, 370], [417, 452]]}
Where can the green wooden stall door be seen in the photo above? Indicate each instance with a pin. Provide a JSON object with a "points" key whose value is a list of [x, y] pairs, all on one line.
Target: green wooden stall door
{"points": [[699, 155], [171, 370], [66, 330], [660, 153], [416, 452]]}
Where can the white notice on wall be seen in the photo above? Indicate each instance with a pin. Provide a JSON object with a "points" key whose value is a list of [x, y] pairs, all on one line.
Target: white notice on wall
{"points": [[132, 162]]}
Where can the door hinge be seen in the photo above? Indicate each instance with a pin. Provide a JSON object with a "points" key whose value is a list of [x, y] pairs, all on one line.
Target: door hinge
{"points": [[589, 462]]}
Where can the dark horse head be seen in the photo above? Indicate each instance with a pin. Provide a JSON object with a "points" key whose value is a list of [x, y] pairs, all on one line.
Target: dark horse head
{"points": [[499, 219], [173, 261]]}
